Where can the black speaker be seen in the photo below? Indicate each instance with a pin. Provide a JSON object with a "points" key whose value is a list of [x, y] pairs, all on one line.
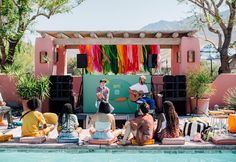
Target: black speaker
{"points": [[82, 61], [152, 60]]}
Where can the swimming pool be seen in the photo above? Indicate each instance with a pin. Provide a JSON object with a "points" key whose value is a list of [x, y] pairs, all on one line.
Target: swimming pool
{"points": [[63, 155]]}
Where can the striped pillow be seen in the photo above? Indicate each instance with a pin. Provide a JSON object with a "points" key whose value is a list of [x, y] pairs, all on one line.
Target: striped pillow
{"points": [[192, 128]]}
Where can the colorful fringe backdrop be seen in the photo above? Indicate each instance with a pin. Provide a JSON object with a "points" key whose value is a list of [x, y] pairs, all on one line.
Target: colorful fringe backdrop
{"points": [[119, 59]]}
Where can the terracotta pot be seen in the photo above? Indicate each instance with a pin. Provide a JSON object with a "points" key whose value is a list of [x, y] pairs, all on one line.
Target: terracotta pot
{"points": [[203, 106], [24, 104], [2, 119]]}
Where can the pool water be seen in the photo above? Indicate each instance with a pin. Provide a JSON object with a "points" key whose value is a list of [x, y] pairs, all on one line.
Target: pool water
{"points": [[116, 156]]}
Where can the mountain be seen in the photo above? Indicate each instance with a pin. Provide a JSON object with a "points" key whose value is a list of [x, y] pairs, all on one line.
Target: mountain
{"points": [[188, 24]]}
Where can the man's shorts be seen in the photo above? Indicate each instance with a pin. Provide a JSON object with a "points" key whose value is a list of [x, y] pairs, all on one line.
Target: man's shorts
{"points": [[4, 109]]}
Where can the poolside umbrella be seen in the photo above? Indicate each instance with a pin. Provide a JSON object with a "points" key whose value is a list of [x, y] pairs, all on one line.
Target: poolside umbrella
{"points": [[209, 52], [210, 58]]}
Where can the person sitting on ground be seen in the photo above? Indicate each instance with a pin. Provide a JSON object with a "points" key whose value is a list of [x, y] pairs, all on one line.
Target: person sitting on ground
{"points": [[32, 120], [140, 92], [5, 110], [102, 124], [142, 127], [168, 122], [68, 126]]}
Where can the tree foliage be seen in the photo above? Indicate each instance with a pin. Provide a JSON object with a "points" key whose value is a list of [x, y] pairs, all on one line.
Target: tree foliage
{"points": [[217, 24], [23, 60], [17, 15]]}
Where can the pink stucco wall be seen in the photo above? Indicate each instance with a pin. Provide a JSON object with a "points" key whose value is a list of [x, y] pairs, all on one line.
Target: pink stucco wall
{"points": [[187, 44], [77, 80], [62, 61], [222, 83], [157, 88], [8, 88], [175, 66], [44, 44]]}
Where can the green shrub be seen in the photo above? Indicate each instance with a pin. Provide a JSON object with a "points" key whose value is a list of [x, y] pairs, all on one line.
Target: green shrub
{"points": [[199, 84], [28, 87], [230, 98]]}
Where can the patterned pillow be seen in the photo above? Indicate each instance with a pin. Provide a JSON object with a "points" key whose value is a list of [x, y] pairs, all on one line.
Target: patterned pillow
{"points": [[192, 128]]}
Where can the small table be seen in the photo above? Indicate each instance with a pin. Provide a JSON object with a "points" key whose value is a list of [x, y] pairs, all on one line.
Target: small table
{"points": [[227, 111], [221, 120]]}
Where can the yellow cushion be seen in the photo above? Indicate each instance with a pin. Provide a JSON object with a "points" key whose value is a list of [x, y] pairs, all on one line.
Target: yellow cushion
{"points": [[5, 137], [148, 142], [51, 118]]}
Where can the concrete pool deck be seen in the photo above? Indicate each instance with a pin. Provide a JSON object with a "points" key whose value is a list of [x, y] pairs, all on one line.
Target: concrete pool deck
{"points": [[51, 143]]}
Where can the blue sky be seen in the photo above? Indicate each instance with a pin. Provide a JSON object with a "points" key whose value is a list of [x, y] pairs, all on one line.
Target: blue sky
{"points": [[113, 15]]}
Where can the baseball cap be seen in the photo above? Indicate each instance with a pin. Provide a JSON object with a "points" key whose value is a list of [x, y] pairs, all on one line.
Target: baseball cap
{"points": [[103, 80]]}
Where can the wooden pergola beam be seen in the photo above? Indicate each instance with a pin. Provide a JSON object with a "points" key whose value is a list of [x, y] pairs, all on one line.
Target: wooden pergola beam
{"points": [[78, 35], [109, 35], [93, 35], [108, 41], [62, 35]]}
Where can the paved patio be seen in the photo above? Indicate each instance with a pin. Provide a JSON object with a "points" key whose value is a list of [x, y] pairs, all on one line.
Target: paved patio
{"points": [[51, 143]]}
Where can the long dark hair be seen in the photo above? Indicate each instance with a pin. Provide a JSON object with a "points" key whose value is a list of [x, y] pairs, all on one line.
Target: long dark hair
{"points": [[66, 110], [34, 103], [172, 119], [104, 107]]}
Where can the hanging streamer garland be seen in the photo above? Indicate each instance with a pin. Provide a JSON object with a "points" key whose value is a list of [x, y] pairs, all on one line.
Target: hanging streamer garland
{"points": [[129, 57], [105, 64], [155, 49], [121, 59], [141, 59], [90, 59], [146, 50], [125, 58], [82, 49], [135, 56], [114, 59], [85, 49], [96, 54]]}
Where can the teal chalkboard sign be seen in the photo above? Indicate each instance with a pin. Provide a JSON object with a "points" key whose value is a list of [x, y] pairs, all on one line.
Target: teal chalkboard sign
{"points": [[119, 96]]}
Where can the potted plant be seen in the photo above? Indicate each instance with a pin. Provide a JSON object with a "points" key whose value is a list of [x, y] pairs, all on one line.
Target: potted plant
{"points": [[199, 88], [28, 86], [230, 98]]}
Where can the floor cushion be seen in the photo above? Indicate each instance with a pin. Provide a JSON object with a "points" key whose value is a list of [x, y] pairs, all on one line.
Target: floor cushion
{"points": [[223, 140], [148, 142], [51, 118], [173, 141], [102, 142], [5, 137], [68, 140], [33, 140]]}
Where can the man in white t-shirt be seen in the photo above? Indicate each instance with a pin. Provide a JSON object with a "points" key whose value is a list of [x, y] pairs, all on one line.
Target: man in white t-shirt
{"points": [[140, 91]]}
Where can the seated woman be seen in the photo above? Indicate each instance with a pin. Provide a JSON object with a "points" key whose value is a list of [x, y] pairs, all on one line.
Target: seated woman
{"points": [[168, 122], [103, 126], [68, 123], [142, 127], [5, 110], [32, 120]]}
